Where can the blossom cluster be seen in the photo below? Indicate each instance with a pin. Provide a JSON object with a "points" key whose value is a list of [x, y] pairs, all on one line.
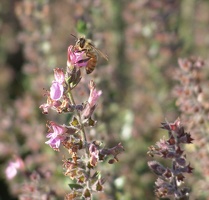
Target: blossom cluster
{"points": [[170, 180], [192, 95], [84, 155]]}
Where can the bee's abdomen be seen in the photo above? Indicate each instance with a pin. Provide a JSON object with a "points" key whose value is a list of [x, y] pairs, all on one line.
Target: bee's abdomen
{"points": [[91, 63]]}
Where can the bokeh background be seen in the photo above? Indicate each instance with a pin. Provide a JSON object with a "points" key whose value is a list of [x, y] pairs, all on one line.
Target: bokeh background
{"points": [[143, 40]]}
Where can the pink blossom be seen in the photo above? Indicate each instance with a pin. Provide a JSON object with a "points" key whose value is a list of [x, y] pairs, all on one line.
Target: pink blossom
{"points": [[45, 108], [50, 104], [59, 75], [76, 58], [54, 143], [56, 135], [57, 88], [94, 154], [162, 144], [93, 97], [56, 91], [94, 94], [13, 167]]}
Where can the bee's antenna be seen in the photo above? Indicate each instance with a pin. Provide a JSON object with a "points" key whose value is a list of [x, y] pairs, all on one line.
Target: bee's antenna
{"points": [[74, 36]]}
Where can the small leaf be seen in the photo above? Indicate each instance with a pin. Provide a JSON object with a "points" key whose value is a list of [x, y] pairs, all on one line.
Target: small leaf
{"points": [[87, 193], [74, 122], [99, 186], [89, 166], [91, 122], [75, 186], [81, 179], [96, 174]]}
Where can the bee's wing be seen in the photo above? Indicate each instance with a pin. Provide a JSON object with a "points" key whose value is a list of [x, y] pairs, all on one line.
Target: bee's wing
{"points": [[102, 54], [99, 52]]}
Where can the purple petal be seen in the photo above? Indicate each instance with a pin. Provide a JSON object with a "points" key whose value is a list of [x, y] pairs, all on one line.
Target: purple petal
{"points": [[53, 143], [59, 75], [56, 91]]}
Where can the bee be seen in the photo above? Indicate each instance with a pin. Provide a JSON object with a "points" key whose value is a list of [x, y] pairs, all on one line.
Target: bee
{"points": [[83, 44]]}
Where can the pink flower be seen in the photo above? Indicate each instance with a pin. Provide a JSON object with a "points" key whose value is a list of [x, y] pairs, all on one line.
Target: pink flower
{"points": [[45, 107], [93, 97], [94, 94], [56, 135], [13, 167], [57, 88], [94, 154], [162, 145], [76, 58], [50, 104], [115, 151]]}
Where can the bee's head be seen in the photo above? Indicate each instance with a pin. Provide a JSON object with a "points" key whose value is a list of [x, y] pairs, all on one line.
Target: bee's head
{"points": [[81, 42]]}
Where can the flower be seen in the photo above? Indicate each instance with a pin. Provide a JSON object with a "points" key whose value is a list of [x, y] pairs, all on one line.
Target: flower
{"points": [[94, 94], [76, 58], [156, 167], [93, 97], [170, 179], [50, 104], [56, 135], [57, 88], [12, 168], [94, 154], [114, 151]]}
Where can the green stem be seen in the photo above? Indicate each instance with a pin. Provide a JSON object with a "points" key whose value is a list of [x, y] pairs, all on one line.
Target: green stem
{"points": [[83, 134]]}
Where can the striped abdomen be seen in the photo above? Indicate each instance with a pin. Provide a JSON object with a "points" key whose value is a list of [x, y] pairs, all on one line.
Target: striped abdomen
{"points": [[91, 62]]}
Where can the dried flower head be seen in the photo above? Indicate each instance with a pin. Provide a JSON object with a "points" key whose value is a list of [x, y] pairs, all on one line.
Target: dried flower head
{"points": [[170, 179]]}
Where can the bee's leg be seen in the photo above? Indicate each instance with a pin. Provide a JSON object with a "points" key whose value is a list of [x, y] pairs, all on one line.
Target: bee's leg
{"points": [[89, 55]]}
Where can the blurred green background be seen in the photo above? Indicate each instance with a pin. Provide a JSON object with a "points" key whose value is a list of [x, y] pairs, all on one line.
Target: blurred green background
{"points": [[143, 40]]}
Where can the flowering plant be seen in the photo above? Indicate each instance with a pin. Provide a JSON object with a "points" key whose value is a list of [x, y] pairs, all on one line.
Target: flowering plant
{"points": [[84, 155], [192, 94], [170, 179]]}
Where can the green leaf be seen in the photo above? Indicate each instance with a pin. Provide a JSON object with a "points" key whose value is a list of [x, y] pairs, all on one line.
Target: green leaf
{"points": [[74, 122], [87, 193], [91, 122], [99, 186], [81, 179], [75, 186]]}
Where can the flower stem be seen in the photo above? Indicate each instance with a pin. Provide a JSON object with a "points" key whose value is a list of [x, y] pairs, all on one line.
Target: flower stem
{"points": [[83, 134], [72, 101]]}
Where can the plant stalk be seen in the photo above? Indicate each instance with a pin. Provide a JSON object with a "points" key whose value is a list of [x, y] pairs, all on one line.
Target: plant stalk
{"points": [[83, 134]]}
